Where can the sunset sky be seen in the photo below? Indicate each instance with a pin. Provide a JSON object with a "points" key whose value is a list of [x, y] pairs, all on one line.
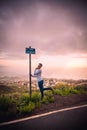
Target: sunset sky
{"points": [[57, 29]]}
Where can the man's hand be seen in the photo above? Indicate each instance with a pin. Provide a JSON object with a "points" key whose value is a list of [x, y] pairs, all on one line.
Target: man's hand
{"points": [[31, 75]]}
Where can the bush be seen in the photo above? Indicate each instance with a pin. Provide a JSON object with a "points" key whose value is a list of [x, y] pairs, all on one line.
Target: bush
{"points": [[61, 85], [65, 91], [24, 99], [27, 108], [35, 97], [62, 91], [75, 91], [5, 103], [7, 108], [57, 92], [82, 87], [45, 100], [38, 104], [48, 98]]}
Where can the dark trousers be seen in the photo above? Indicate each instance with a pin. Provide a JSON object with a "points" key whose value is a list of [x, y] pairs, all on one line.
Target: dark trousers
{"points": [[41, 87]]}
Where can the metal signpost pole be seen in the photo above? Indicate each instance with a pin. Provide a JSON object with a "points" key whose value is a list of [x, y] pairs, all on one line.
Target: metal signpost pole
{"points": [[30, 51], [30, 73]]}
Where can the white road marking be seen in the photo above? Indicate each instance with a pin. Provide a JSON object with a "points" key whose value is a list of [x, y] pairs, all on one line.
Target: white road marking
{"points": [[41, 115]]}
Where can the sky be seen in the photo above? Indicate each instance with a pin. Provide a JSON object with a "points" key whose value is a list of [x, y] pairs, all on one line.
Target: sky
{"points": [[57, 29]]}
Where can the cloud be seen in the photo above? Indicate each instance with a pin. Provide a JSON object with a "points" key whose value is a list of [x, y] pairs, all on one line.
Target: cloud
{"points": [[56, 28]]}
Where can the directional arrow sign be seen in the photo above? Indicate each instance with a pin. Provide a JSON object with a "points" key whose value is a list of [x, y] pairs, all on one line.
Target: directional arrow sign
{"points": [[30, 50]]}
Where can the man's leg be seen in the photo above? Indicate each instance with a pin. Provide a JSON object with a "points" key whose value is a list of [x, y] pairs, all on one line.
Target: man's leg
{"points": [[49, 88], [40, 84]]}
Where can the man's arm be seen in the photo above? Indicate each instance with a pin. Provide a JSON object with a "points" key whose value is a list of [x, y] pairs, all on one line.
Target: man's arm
{"points": [[36, 72], [34, 76]]}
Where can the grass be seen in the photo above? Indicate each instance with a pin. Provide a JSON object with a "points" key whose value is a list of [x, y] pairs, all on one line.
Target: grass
{"points": [[18, 102]]}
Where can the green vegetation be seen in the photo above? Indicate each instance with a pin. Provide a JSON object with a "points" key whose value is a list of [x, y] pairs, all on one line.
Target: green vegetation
{"points": [[7, 108], [15, 101], [21, 104], [5, 102], [24, 109], [65, 90], [48, 98]]}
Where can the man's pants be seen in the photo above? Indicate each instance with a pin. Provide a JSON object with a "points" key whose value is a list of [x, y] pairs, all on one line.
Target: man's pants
{"points": [[40, 84]]}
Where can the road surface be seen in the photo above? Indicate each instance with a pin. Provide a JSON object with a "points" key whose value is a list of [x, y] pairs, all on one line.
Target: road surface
{"points": [[67, 119]]}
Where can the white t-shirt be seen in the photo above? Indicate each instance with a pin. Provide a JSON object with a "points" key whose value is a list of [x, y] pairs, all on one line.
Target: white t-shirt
{"points": [[37, 74]]}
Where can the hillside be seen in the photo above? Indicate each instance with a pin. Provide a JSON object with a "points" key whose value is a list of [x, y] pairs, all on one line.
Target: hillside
{"points": [[15, 100]]}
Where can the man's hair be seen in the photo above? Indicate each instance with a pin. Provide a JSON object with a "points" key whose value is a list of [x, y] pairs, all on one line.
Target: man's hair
{"points": [[40, 64]]}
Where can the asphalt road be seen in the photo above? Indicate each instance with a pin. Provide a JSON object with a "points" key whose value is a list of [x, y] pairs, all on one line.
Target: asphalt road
{"points": [[74, 119]]}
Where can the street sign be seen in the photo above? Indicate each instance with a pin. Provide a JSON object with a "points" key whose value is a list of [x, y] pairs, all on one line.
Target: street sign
{"points": [[30, 50]]}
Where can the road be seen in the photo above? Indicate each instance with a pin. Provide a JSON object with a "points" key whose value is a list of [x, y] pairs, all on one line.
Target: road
{"points": [[67, 119]]}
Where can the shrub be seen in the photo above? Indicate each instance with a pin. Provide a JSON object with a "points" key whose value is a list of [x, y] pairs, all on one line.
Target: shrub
{"points": [[62, 91], [82, 87], [27, 108], [7, 108], [65, 91], [45, 100], [75, 91], [5, 103], [48, 98], [57, 92], [61, 85], [24, 99], [38, 104], [35, 97]]}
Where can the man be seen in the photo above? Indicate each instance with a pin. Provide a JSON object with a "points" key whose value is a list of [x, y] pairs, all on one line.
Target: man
{"points": [[37, 74]]}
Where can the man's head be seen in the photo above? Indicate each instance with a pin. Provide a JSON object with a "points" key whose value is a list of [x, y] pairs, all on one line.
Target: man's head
{"points": [[39, 65]]}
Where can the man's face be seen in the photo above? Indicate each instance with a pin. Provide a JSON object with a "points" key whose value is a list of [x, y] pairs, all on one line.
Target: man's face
{"points": [[39, 66]]}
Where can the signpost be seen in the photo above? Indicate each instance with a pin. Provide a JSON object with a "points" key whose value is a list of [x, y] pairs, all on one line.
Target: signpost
{"points": [[30, 51]]}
